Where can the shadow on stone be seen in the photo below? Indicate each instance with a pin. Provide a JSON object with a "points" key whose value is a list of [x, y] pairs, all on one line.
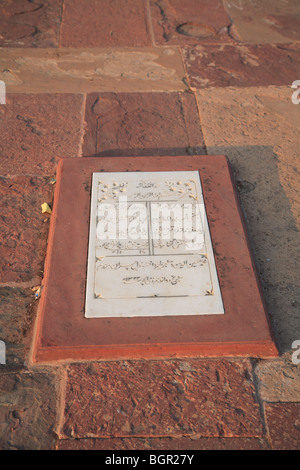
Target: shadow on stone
{"points": [[151, 152], [273, 234]]}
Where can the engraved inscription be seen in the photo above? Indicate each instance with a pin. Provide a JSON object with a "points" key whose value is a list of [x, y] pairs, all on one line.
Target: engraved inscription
{"points": [[150, 251]]}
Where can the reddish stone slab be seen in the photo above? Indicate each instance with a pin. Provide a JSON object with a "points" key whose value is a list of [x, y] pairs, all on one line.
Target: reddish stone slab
{"points": [[283, 421], [165, 443], [90, 23], [189, 22], [242, 65], [37, 130], [23, 232], [142, 124], [161, 398], [25, 23], [63, 332]]}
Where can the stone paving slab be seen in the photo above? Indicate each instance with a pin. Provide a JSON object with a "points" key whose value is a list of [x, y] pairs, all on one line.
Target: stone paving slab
{"points": [[161, 398], [283, 422], [90, 23], [27, 410], [24, 229], [189, 22], [69, 70], [16, 313], [242, 65], [142, 124], [265, 21], [165, 444], [262, 142], [37, 130], [25, 23], [278, 380]]}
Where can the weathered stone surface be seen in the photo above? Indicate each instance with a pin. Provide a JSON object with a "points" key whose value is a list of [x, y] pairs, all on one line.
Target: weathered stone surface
{"points": [[263, 151], [189, 22], [164, 443], [278, 380], [27, 411], [16, 310], [36, 130], [242, 65], [86, 70], [155, 398], [90, 23], [283, 422], [26, 23], [267, 21], [142, 124], [23, 228]]}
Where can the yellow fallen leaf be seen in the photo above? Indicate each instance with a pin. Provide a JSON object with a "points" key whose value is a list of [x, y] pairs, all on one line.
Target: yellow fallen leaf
{"points": [[46, 208]]}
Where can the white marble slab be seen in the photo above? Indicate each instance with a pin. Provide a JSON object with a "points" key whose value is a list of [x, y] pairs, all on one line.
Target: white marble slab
{"points": [[150, 251]]}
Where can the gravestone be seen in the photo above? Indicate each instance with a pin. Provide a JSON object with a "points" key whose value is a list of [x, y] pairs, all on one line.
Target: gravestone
{"points": [[149, 258]]}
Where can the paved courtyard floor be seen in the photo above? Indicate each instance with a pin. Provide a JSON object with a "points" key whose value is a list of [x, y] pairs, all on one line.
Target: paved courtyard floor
{"points": [[150, 77]]}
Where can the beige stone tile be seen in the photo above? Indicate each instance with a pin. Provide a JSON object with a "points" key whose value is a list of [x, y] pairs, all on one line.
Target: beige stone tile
{"points": [[265, 21], [278, 380], [87, 70]]}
